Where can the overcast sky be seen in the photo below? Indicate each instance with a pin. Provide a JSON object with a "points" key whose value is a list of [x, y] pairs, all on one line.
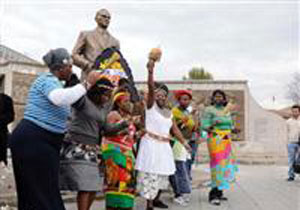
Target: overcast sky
{"points": [[253, 40]]}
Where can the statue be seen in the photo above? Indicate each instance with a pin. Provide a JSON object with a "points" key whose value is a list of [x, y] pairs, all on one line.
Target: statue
{"points": [[90, 44]]}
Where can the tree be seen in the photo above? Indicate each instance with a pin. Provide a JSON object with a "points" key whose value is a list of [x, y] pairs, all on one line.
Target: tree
{"points": [[293, 90], [197, 73]]}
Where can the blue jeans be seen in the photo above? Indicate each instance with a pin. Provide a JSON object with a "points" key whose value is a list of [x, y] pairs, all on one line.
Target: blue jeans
{"points": [[190, 162], [292, 150], [180, 181]]}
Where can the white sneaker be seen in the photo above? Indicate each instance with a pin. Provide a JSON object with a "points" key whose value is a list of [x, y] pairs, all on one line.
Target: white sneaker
{"points": [[180, 201], [187, 198]]}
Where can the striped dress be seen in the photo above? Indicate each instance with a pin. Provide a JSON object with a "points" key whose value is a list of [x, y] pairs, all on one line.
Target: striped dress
{"points": [[222, 159]]}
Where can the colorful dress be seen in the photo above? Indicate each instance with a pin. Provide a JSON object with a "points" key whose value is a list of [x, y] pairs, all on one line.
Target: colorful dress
{"points": [[186, 125], [117, 153], [222, 159]]}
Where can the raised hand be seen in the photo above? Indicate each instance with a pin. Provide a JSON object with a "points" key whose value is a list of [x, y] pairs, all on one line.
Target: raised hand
{"points": [[92, 78], [151, 65]]}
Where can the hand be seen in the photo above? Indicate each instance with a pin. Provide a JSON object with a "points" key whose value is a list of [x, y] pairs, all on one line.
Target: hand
{"points": [[92, 78], [187, 147], [89, 66], [150, 65]]}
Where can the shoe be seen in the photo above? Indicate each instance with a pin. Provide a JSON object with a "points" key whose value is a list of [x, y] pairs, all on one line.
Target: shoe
{"points": [[215, 201], [290, 179], [223, 198], [159, 204], [187, 198], [180, 201]]}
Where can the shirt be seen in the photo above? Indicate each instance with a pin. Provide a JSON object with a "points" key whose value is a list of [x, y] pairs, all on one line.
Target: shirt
{"points": [[40, 110], [293, 130]]}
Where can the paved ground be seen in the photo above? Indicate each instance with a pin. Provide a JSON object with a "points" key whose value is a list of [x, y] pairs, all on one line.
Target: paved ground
{"points": [[257, 188]]}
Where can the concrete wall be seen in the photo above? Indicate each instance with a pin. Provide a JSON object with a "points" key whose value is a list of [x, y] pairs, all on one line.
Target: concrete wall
{"points": [[18, 78], [267, 134]]}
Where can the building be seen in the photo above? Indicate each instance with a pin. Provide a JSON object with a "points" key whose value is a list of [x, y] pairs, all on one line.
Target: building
{"points": [[17, 72]]}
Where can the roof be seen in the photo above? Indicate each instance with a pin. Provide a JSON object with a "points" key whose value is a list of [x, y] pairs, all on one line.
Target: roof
{"points": [[9, 55]]}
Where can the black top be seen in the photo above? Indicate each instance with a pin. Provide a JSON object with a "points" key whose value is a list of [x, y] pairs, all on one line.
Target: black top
{"points": [[7, 114]]}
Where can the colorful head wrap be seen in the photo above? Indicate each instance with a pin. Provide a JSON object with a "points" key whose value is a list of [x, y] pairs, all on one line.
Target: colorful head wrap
{"points": [[120, 96], [104, 83], [179, 93]]}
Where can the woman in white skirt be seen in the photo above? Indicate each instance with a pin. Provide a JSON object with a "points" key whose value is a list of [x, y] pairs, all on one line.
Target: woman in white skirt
{"points": [[155, 161]]}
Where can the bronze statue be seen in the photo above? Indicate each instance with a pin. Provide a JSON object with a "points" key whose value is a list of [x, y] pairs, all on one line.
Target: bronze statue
{"points": [[90, 44]]}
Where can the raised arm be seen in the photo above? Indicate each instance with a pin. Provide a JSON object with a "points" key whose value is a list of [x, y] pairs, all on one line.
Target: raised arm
{"points": [[151, 99]]}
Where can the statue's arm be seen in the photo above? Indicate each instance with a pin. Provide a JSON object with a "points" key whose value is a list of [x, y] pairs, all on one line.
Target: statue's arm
{"points": [[118, 44], [77, 53]]}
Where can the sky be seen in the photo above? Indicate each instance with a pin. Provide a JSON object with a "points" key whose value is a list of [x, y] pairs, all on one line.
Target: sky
{"points": [[254, 40]]}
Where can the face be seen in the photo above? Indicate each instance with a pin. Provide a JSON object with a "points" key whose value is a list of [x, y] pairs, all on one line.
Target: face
{"points": [[184, 101], [295, 112], [103, 18], [125, 105], [105, 97], [219, 99], [161, 98], [65, 72]]}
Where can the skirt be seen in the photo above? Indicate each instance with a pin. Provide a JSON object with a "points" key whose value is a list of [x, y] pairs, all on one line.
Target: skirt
{"points": [[149, 184], [35, 157], [222, 159], [120, 179], [79, 170]]}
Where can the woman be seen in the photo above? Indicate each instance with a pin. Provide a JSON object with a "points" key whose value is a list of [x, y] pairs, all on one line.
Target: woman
{"points": [[155, 161], [117, 153], [36, 141], [218, 123], [79, 169], [180, 181]]}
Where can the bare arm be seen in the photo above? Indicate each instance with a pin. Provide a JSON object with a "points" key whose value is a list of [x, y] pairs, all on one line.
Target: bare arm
{"points": [[177, 133], [150, 67]]}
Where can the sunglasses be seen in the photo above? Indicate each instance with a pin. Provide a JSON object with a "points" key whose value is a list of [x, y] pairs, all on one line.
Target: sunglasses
{"points": [[105, 16]]}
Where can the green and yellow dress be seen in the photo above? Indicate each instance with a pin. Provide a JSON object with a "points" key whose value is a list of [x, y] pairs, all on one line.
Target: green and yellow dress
{"points": [[222, 159]]}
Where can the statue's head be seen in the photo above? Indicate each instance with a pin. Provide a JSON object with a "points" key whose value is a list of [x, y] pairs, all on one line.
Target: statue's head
{"points": [[103, 18]]}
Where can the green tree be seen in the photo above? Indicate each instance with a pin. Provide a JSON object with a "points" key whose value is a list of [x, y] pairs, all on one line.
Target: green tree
{"points": [[198, 73]]}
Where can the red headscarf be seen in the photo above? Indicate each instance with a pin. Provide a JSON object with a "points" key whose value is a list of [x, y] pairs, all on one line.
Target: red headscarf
{"points": [[179, 93]]}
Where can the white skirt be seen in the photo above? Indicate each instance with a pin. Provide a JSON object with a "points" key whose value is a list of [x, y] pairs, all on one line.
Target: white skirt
{"points": [[155, 157]]}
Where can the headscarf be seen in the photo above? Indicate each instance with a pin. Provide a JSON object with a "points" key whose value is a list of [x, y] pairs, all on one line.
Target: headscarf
{"points": [[179, 93], [102, 85], [57, 58], [120, 96]]}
